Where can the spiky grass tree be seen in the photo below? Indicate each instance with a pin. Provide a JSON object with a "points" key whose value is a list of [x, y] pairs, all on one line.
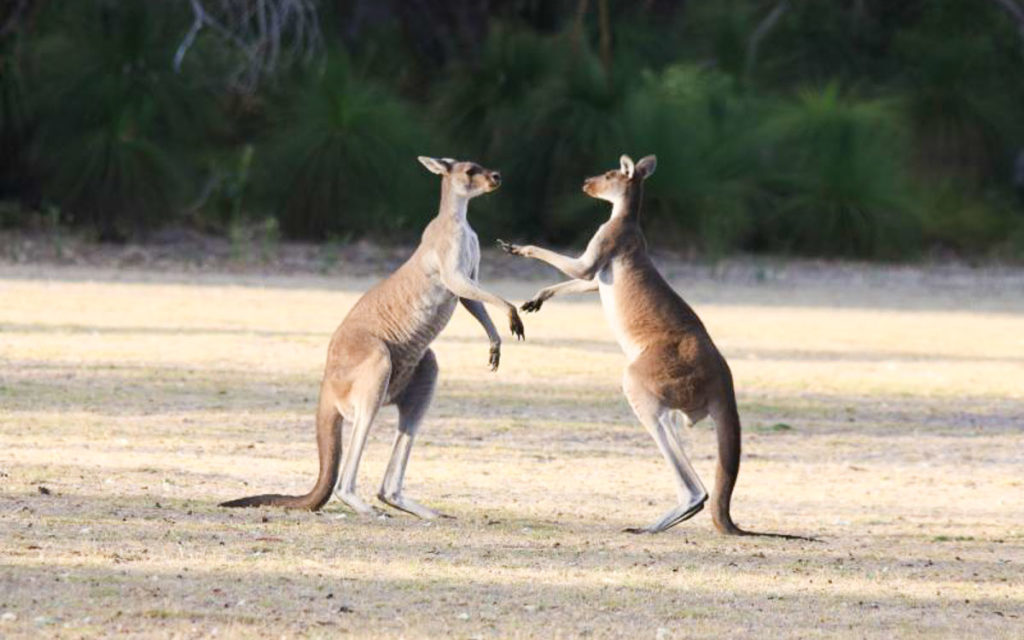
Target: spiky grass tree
{"points": [[704, 131], [837, 170], [342, 158], [15, 122], [547, 112], [116, 120]]}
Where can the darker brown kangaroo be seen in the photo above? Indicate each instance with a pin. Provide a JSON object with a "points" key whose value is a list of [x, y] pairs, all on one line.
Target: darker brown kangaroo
{"points": [[673, 363], [381, 352]]}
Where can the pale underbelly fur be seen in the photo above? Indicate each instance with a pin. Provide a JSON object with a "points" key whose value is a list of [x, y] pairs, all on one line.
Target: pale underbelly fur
{"points": [[606, 287]]}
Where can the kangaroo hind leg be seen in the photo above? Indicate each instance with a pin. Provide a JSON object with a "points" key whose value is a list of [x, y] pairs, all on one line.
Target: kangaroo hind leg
{"points": [[365, 396], [412, 403], [656, 419]]}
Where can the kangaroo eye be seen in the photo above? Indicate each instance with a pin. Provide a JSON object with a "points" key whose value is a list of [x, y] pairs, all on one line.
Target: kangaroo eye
{"points": [[472, 171]]}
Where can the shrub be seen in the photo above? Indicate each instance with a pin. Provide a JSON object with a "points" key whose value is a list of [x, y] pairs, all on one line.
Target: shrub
{"points": [[964, 110], [954, 218], [547, 113], [116, 120], [342, 158], [837, 176], [15, 124], [704, 132]]}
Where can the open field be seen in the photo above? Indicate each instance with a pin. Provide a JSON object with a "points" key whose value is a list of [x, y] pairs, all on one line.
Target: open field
{"points": [[883, 412]]}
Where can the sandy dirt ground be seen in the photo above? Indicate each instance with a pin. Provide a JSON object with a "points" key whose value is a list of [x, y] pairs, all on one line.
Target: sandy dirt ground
{"points": [[883, 411]]}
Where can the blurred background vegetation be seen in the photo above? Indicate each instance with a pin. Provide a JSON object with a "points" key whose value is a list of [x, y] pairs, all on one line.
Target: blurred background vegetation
{"points": [[861, 128]]}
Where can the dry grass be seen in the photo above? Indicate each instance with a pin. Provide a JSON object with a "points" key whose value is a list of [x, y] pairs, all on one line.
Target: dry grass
{"points": [[139, 405]]}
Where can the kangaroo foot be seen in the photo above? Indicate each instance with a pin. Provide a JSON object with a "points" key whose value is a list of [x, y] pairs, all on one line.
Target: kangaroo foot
{"points": [[355, 503], [400, 502], [671, 518]]}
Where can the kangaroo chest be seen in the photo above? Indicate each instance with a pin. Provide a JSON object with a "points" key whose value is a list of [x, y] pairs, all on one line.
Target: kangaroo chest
{"points": [[429, 304], [615, 303]]}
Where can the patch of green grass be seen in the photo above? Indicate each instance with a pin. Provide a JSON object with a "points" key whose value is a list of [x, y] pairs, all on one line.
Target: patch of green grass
{"points": [[952, 538], [778, 427]]}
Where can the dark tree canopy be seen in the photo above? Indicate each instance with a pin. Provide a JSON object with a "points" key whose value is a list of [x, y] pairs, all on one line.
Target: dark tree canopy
{"points": [[861, 127]]}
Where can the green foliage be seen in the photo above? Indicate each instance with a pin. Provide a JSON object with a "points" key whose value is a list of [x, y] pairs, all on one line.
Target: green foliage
{"points": [[15, 122], [964, 112], [526, 89], [704, 132], [718, 32], [955, 219], [908, 142], [342, 157], [221, 203], [478, 96], [580, 112], [837, 177], [116, 122]]}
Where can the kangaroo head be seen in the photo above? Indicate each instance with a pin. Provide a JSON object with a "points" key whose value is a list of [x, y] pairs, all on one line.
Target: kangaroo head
{"points": [[613, 185], [466, 178]]}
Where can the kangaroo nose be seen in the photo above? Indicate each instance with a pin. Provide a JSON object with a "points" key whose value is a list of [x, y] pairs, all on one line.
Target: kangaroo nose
{"points": [[496, 177]]}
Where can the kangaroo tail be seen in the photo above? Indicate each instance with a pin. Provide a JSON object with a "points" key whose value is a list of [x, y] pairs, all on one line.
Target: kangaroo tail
{"points": [[328, 440], [727, 429]]}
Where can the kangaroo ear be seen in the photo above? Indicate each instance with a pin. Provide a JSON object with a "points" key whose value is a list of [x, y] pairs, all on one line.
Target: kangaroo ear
{"points": [[646, 166], [626, 165], [440, 166]]}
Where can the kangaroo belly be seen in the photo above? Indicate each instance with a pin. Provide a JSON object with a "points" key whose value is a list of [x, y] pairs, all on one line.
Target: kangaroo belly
{"points": [[429, 312], [426, 323]]}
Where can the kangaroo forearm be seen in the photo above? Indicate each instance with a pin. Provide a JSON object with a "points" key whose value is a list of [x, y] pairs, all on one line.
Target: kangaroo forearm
{"points": [[569, 286], [576, 268], [478, 311], [464, 288]]}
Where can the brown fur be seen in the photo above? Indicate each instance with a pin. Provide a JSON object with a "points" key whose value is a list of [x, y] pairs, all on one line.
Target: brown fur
{"points": [[676, 365]]}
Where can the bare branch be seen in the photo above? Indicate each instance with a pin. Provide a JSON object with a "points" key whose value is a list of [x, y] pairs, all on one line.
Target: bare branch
{"points": [[11, 18], [1016, 12], [190, 36], [267, 35], [760, 32]]}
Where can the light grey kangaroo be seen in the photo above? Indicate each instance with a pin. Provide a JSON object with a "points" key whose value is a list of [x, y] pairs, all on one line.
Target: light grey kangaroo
{"points": [[381, 352]]}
